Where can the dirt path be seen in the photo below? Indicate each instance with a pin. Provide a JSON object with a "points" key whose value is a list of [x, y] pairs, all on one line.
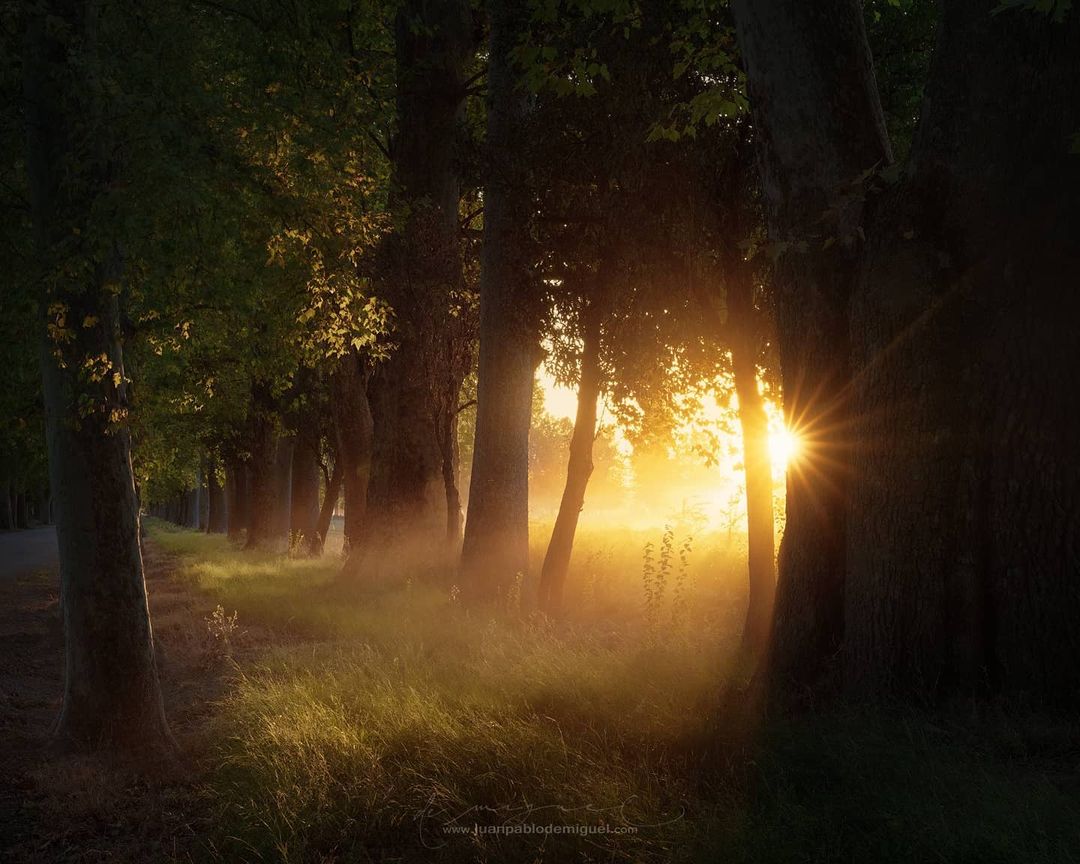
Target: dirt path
{"points": [[76, 809]]}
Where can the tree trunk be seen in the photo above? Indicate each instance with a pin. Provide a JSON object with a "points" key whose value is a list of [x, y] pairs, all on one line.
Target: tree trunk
{"points": [[496, 544], [217, 515], [353, 431], [195, 501], [964, 533], [422, 280], [263, 528], [22, 512], [111, 692], [448, 447], [236, 495], [326, 513], [283, 462], [579, 467], [303, 523], [820, 128], [757, 466], [7, 515]]}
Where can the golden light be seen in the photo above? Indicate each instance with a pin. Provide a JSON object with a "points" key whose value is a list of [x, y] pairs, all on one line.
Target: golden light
{"points": [[784, 447]]}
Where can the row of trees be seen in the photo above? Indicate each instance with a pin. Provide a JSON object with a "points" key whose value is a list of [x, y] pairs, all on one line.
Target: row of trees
{"points": [[277, 250]]}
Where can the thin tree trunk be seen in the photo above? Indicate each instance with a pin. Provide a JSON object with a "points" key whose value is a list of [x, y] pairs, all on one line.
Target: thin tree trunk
{"points": [[448, 445], [820, 127], [304, 520], [217, 515], [353, 427], [326, 512], [579, 467], [496, 543], [111, 694], [757, 466]]}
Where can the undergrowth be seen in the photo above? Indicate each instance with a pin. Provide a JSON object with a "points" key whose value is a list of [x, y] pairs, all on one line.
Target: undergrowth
{"points": [[401, 725]]}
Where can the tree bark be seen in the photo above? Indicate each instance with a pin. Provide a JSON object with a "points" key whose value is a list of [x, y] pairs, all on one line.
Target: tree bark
{"points": [[579, 467], [353, 427], [964, 533], [496, 543], [111, 694], [819, 125]]}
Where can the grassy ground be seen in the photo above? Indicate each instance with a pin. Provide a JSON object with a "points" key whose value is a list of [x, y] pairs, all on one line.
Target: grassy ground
{"points": [[363, 726]]}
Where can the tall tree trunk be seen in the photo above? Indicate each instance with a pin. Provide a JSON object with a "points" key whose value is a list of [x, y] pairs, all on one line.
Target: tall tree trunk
{"points": [[820, 127], [217, 514], [579, 467], [964, 533], [757, 465], [263, 529], [236, 495], [496, 544], [353, 427], [326, 512], [111, 692], [303, 523], [421, 278]]}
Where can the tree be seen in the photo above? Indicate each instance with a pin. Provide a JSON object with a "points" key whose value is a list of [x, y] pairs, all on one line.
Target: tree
{"points": [[822, 131], [419, 275], [952, 552], [579, 466], [111, 692], [496, 545]]}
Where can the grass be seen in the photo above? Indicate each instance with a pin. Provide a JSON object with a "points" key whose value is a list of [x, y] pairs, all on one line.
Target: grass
{"points": [[371, 727]]}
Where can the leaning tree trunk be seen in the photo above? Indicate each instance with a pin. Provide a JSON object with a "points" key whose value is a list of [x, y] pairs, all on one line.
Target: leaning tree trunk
{"points": [[820, 127], [496, 544], [421, 277], [578, 470], [111, 692], [448, 447], [353, 430], [964, 533]]}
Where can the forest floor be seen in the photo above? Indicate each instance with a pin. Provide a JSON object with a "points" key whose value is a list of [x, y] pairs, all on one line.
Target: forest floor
{"points": [[325, 722]]}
